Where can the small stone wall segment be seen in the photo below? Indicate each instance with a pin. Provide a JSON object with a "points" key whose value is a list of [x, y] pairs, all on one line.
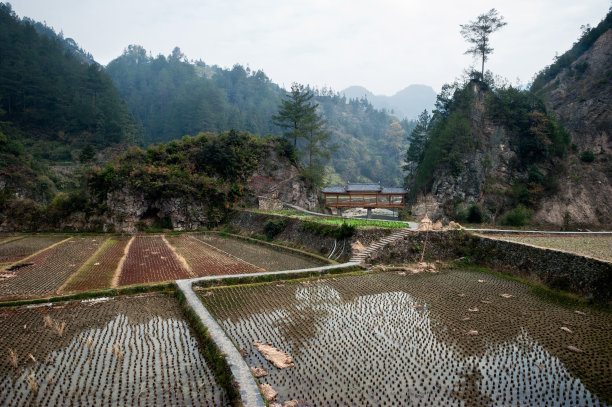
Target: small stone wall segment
{"points": [[581, 275]]}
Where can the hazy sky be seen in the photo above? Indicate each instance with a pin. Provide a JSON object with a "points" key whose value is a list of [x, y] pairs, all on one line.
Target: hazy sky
{"points": [[384, 45]]}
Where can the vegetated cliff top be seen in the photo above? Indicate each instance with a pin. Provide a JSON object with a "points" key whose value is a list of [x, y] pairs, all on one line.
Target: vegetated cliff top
{"points": [[513, 156], [489, 151]]}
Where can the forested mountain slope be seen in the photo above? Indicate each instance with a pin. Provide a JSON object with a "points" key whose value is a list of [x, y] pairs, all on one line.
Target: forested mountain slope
{"points": [[53, 103], [174, 97]]}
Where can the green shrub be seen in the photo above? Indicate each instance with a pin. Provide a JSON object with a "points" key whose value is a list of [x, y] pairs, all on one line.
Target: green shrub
{"points": [[274, 227], [535, 175], [343, 232], [587, 156], [461, 213], [519, 216]]}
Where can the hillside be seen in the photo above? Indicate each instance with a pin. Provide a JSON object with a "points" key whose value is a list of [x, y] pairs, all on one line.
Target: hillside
{"points": [[53, 104], [173, 97], [490, 151], [408, 103], [577, 90], [512, 156]]}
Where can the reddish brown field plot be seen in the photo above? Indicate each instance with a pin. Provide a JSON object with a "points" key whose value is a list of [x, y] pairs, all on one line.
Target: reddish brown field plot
{"points": [[49, 269], [16, 250], [99, 271], [129, 351], [205, 260], [151, 260]]}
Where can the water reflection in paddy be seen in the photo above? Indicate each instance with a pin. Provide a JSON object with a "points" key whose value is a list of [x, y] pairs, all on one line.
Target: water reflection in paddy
{"points": [[386, 339]]}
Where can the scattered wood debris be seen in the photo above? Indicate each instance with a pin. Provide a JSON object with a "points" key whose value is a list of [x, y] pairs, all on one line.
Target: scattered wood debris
{"points": [[566, 329]]}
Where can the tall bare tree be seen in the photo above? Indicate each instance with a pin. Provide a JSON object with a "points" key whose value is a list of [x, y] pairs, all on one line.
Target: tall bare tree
{"points": [[477, 34]]}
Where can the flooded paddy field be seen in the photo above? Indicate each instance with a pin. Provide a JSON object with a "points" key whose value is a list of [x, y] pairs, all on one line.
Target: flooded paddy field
{"points": [[597, 246], [459, 338], [259, 255], [124, 351]]}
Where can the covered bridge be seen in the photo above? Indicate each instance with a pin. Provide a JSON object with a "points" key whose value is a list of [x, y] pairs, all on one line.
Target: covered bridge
{"points": [[363, 195]]}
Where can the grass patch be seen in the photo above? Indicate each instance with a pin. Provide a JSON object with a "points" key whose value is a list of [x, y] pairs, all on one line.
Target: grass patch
{"points": [[337, 221], [214, 357], [357, 223]]}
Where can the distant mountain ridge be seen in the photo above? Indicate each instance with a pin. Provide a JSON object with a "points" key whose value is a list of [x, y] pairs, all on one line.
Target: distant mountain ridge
{"points": [[405, 104]]}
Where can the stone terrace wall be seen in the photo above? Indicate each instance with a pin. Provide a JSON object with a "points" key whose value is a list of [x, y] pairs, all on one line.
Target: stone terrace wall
{"points": [[254, 222], [578, 274]]}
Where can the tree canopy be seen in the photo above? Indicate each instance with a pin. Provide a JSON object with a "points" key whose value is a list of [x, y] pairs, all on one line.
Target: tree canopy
{"points": [[477, 34]]}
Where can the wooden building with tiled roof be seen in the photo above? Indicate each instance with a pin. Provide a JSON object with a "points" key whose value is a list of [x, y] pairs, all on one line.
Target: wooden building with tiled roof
{"points": [[363, 195]]}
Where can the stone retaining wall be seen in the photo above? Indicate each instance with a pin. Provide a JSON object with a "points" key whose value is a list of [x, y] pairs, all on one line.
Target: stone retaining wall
{"points": [[254, 222], [577, 274]]}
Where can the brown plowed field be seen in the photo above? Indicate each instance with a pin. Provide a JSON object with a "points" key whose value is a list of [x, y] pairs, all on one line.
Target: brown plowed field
{"points": [[129, 351], [50, 269], [205, 260], [99, 271], [151, 260], [21, 248]]}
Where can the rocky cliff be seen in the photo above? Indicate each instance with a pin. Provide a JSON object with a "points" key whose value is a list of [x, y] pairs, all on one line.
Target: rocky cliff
{"points": [[482, 173], [277, 181], [580, 97], [274, 178], [550, 151]]}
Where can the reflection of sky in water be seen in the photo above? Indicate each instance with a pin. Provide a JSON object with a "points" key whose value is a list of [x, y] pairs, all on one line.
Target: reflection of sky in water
{"points": [[378, 348], [161, 365]]}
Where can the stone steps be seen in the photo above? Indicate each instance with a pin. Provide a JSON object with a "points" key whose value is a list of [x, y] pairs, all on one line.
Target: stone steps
{"points": [[362, 255]]}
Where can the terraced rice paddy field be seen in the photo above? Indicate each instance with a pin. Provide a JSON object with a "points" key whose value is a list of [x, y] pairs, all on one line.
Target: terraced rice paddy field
{"points": [[597, 246], [35, 266], [126, 351], [254, 254], [458, 338]]}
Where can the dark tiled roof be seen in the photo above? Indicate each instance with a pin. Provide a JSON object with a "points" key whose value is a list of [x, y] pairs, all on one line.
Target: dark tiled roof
{"points": [[394, 191], [334, 189], [363, 187]]}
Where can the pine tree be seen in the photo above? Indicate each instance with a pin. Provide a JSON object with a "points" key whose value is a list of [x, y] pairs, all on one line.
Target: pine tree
{"points": [[417, 139], [293, 110], [478, 32]]}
